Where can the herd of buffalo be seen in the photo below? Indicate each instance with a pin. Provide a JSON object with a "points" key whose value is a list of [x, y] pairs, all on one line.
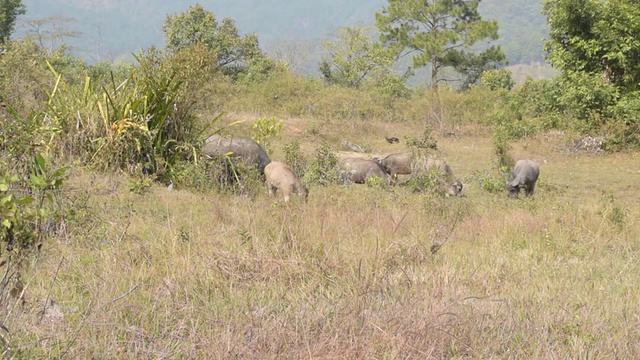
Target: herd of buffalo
{"points": [[357, 170]]}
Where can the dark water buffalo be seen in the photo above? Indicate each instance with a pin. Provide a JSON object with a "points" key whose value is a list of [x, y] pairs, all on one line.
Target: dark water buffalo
{"points": [[358, 170], [280, 176], [525, 175], [248, 150], [396, 164]]}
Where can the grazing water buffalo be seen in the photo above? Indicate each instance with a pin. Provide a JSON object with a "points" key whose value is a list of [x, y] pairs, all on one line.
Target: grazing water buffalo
{"points": [[248, 150], [525, 175], [358, 170], [426, 165], [396, 164], [280, 176]]}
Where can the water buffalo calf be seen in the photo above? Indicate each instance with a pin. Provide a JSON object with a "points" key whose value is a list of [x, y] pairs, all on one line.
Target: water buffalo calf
{"points": [[280, 176], [525, 175]]}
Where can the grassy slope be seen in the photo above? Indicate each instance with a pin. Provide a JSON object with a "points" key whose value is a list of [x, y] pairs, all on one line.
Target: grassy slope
{"points": [[350, 274]]}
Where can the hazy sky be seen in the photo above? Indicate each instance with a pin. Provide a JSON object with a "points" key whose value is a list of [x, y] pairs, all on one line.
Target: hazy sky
{"points": [[113, 28]]}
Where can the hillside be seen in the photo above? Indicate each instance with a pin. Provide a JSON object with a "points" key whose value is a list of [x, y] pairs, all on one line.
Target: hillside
{"points": [[111, 29]]}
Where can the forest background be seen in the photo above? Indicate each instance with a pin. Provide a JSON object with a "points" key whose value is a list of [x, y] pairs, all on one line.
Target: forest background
{"points": [[293, 31]]}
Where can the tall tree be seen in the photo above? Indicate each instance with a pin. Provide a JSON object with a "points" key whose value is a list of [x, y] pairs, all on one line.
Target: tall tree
{"points": [[596, 37], [199, 26], [440, 33], [9, 12], [51, 31], [354, 58]]}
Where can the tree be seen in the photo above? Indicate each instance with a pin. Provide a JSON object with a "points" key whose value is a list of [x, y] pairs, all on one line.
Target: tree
{"points": [[472, 65], [596, 37], [440, 33], [50, 32], [354, 58], [9, 12], [199, 26]]}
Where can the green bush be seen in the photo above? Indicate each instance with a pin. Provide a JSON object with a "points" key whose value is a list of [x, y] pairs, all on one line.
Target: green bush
{"points": [[261, 69], [501, 148], [148, 122], [538, 98], [389, 84], [490, 183], [377, 182], [29, 208], [511, 122], [226, 174], [23, 78], [323, 169], [195, 176], [295, 159], [425, 141], [425, 182], [497, 79], [586, 98], [623, 130], [263, 130], [533, 107]]}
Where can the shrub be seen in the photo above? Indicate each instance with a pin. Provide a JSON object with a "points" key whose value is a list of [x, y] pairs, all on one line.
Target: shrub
{"points": [[390, 84], [294, 158], [323, 169], [497, 79], [195, 176], [377, 182], [264, 129], [425, 141], [227, 174], [623, 130], [501, 148], [430, 181], [538, 98], [148, 124], [23, 78], [261, 69], [490, 182], [28, 210], [586, 98]]}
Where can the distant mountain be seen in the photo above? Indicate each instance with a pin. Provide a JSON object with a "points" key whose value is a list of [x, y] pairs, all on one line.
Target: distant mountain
{"points": [[112, 29]]}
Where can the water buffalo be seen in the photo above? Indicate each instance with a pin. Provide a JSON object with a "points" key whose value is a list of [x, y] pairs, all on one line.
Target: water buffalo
{"points": [[280, 176], [358, 170], [525, 175], [248, 150], [396, 164], [425, 165]]}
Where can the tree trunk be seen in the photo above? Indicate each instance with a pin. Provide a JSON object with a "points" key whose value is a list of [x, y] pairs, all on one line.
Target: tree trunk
{"points": [[434, 75]]}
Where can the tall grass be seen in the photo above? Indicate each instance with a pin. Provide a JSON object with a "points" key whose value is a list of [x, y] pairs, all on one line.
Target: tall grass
{"points": [[352, 273]]}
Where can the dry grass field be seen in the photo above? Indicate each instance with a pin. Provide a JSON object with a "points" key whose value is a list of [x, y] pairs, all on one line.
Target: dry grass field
{"points": [[350, 274]]}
